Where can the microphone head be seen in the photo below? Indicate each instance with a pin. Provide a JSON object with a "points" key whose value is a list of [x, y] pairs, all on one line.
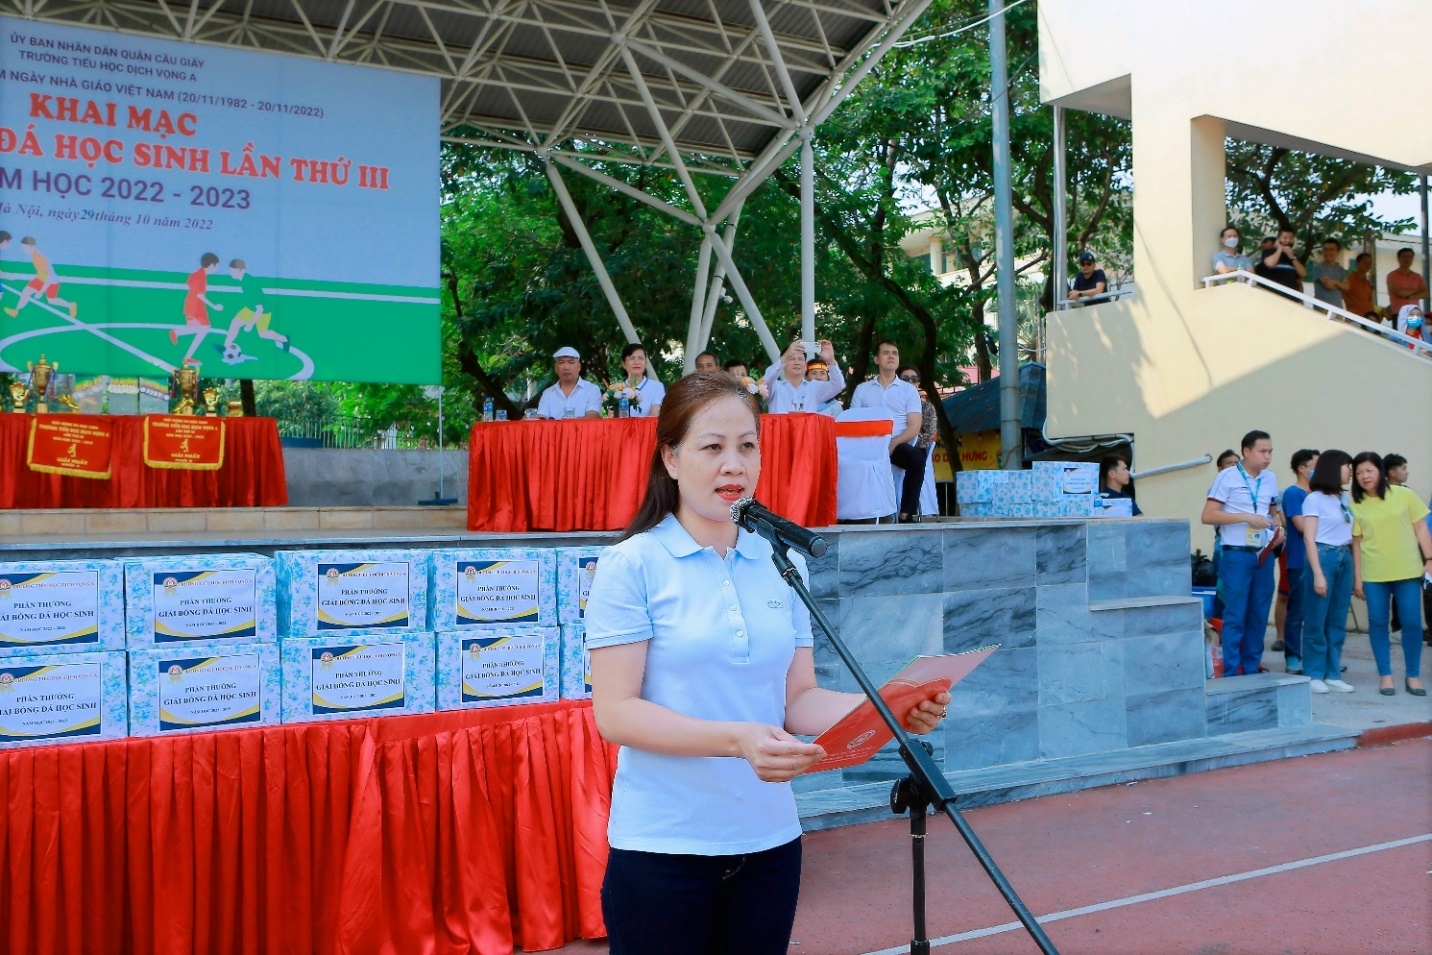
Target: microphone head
{"points": [[738, 510]]}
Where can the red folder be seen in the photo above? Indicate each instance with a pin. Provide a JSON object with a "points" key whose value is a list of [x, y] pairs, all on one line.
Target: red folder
{"points": [[857, 736]]}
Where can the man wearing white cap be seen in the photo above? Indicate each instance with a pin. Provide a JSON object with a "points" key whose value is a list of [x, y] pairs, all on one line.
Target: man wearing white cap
{"points": [[572, 396]]}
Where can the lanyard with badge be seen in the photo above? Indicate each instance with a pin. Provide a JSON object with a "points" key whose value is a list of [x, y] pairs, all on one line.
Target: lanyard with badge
{"points": [[1255, 537]]}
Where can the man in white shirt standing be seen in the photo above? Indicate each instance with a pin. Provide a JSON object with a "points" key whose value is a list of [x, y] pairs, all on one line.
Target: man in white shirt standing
{"points": [[791, 391], [572, 396], [1243, 505], [901, 400]]}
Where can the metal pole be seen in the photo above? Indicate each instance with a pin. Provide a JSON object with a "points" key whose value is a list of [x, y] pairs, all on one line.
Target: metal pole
{"points": [[442, 488], [598, 266], [1010, 436], [807, 238], [1061, 223], [698, 307], [1426, 265]]}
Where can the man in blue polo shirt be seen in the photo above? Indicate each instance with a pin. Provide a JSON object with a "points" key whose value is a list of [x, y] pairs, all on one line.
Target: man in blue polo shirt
{"points": [[1243, 504], [1292, 562]]}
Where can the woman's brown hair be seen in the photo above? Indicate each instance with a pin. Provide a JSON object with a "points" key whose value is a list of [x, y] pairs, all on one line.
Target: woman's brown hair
{"points": [[683, 401]]}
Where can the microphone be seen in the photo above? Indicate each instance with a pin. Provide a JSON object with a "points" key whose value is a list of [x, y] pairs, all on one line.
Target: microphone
{"points": [[752, 515]]}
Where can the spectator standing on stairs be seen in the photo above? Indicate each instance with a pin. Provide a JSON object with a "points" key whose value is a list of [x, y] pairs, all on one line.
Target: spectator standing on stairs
{"points": [[1404, 284], [1328, 276], [1230, 257], [1243, 503], [1358, 297], [1282, 266]]}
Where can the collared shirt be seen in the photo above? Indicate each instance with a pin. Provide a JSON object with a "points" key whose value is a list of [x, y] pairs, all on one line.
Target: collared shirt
{"points": [[584, 398], [899, 399], [1231, 260], [809, 395], [1237, 496], [653, 393], [720, 633]]}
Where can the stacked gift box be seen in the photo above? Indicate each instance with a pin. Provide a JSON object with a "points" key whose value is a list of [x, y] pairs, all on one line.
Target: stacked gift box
{"points": [[203, 643], [354, 635], [1048, 489], [576, 569], [62, 666], [495, 613]]}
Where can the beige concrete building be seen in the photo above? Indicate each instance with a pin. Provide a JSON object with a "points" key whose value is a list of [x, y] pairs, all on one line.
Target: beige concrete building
{"points": [[1186, 369]]}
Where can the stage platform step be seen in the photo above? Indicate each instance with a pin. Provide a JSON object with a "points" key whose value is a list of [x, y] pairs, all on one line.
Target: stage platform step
{"points": [[870, 802], [106, 523]]}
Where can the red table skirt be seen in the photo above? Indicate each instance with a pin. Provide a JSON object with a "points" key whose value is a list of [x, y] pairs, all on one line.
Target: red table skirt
{"points": [[590, 475], [252, 475], [450, 834]]}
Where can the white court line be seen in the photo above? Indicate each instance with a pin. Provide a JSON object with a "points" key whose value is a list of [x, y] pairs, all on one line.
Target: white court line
{"points": [[1164, 893], [233, 290], [157, 362]]}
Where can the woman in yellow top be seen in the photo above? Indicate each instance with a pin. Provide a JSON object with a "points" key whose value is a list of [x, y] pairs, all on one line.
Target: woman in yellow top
{"points": [[1391, 551]]}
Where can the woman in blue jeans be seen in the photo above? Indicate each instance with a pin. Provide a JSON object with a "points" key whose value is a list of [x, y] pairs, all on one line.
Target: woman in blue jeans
{"points": [[1391, 553], [1328, 578]]}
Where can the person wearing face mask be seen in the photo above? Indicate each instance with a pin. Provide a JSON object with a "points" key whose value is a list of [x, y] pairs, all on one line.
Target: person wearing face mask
{"points": [[1412, 323], [1230, 257]]}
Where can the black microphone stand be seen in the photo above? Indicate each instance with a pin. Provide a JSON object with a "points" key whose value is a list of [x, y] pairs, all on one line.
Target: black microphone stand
{"points": [[925, 786]]}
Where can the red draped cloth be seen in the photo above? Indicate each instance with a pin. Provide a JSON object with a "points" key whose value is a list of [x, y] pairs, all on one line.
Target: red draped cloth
{"points": [[252, 475], [450, 834], [590, 474]]}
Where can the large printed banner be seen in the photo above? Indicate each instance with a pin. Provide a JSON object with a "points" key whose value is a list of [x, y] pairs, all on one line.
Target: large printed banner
{"points": [[266, 216], [184, 442]]}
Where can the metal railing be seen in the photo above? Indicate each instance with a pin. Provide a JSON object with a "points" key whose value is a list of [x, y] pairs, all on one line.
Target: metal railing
{"points": [[1166, 468], [339, 431], [1418, 348], [1113, 295]]}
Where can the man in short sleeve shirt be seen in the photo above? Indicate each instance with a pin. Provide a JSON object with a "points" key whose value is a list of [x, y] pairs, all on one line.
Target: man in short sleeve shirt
{"points": [[572, 396], [1243, 504], [901, 400]]}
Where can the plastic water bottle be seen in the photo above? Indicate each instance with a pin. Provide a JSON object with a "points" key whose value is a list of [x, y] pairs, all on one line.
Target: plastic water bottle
{"points": [[624, 408], [486, 409], [502, 416]]}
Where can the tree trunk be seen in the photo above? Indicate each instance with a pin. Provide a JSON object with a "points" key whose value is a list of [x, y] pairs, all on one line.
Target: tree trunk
{"points": [[246, 398]]}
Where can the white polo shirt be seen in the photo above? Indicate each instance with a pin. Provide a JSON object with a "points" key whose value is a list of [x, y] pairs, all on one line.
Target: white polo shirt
{"points": [[809, 395], [1242, 493], [720, 635], [899, 399], [653, 393], [585, 397]]}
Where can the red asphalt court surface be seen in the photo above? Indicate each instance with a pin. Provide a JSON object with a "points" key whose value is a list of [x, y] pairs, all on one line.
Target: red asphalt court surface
{"points": [[1370, 809]]}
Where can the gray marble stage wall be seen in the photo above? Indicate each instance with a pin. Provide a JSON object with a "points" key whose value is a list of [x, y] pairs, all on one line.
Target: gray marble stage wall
{"points": [[342, 477], [1101, 643]]}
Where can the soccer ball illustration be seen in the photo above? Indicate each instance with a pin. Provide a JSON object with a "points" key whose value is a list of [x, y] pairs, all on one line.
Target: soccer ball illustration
{"points": [[233, 354]]}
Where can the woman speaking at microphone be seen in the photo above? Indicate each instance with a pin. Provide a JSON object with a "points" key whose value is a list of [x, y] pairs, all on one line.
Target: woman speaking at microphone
{"points": [[702, 670]]}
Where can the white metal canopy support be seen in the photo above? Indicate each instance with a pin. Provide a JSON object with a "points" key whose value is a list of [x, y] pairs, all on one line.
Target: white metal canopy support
{"points": [[1061, 224], [659, 122], [627, 189], [713, 293], [743, 293], [773, 49], [720, 89], [698, 306], [598, 266], [807, 238]]}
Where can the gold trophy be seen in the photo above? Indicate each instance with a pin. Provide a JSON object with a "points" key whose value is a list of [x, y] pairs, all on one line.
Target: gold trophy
{"points": [[19, 394], [40, 373], [236, 409], [186, 379], [211, 401]]}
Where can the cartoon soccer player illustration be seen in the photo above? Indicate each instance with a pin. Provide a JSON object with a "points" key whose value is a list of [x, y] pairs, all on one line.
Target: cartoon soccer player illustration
{"points": [[252, 315], [197, 305], [45, 282]]}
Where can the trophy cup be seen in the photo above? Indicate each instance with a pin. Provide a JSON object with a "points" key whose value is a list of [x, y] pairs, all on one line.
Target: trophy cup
{"points": [[19, 394], [211, 401], [236, 409], [40, 375], [186, 386]]}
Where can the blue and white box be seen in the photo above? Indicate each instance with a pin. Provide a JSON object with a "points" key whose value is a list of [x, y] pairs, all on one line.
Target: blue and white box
{"points": [[380, 674], [337, 592], [1054, 480], [576, 567], [209, 598], [497, 666], [488, 587], [576, 663], [62, 698], [976, 487], [1113, 507], [192, 688], [61, 606]]}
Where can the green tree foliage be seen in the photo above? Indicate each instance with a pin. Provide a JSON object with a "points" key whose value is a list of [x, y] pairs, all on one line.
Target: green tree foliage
{"points": [[1271, 188]]}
